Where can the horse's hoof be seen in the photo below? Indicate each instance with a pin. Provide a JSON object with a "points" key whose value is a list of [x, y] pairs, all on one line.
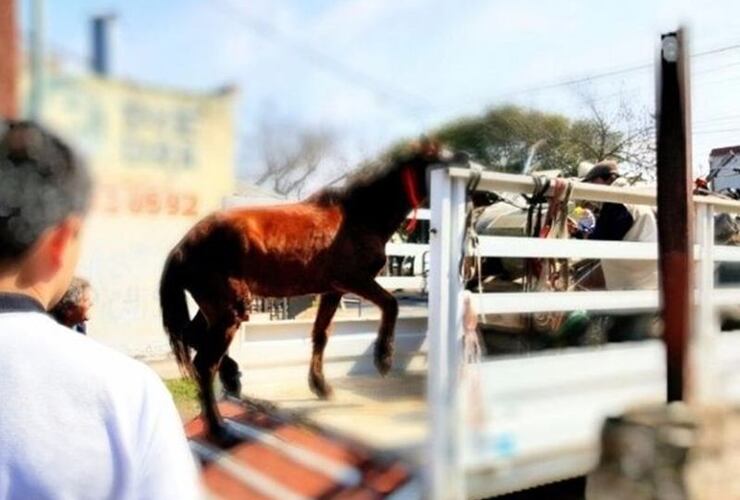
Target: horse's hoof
{"points": [[232, 390], [223, 438], [320, 388], [225, 395], [383, 360], [384, 364], [231, 380]]}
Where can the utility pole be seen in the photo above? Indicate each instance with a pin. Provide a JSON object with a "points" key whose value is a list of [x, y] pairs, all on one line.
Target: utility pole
{"points": [[675, 210], [8, 60], [36, 52]]}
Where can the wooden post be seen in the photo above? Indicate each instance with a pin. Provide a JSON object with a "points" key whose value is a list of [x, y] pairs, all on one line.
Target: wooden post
{"points": [[675, 214], [8, 60]]}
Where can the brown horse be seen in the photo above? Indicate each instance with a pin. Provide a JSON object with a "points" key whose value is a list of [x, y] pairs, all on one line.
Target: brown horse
{"points": [[332, 243]]}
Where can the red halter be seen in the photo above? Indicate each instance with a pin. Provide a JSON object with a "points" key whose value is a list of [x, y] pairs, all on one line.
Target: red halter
{"points": [[409, 183]]}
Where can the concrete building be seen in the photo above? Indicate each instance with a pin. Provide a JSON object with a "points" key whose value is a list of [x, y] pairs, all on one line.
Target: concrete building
{"points": [[162, 159]]}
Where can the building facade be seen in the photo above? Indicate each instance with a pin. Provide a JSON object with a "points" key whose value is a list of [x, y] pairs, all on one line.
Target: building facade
{"points": [[161, 160]]}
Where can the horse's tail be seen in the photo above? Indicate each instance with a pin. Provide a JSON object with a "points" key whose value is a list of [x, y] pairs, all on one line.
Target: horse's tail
{"points": [[175, 315]]}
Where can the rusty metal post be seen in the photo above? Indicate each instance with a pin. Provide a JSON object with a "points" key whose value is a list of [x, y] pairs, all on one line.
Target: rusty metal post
{"points": [[8, 60], [675, 211]]}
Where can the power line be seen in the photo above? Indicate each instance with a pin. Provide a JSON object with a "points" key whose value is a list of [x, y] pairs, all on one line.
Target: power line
{"points": [[715, 69], [700, 83], [575, 81], [570, 81], [715, 119], [716, 50], [719, 131], [381, 89], [410, 101]]}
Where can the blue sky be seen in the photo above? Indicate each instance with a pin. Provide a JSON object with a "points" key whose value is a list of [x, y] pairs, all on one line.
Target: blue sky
{"points": [[374, 71]]}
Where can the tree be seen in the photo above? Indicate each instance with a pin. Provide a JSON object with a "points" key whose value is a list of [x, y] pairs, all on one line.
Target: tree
{"points": [[621, 134], [503, 136], [291, 155]]}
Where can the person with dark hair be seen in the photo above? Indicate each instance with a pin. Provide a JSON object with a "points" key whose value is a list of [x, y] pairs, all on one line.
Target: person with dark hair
{"points": [[623, 222], [73, 309], [77, 419]]}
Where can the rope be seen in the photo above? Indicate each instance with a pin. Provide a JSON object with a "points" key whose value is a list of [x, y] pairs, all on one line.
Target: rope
{"points": [[533, 228], [474, 179], [554, 274], [409, 183], [470, 366], [472, 351], [470, 237]]}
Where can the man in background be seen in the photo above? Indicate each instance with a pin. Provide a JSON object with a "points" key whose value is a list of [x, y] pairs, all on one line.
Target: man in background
{"points": [[73, 309], [77, 419], [625, 222]]}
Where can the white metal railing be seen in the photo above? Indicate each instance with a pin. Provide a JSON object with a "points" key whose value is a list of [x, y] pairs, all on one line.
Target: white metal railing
{"points": [[416, 282], [516, 246], [446, 472], [419, 252]]}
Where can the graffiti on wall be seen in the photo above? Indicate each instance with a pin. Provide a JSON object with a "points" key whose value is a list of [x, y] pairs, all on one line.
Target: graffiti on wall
{"points": [[161, 161], [163, 135], [118, 199]]}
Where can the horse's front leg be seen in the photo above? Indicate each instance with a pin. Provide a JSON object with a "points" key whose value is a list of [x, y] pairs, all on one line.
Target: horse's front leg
{"points": [[327, 307], [388, 305]]}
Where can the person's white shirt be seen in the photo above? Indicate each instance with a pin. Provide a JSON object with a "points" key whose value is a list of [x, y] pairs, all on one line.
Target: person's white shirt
{"points": [[79, 420], [621, 274]]}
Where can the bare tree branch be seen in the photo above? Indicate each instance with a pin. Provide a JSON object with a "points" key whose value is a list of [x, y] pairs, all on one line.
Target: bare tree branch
{"points": [[291, 155], [625, 134]]}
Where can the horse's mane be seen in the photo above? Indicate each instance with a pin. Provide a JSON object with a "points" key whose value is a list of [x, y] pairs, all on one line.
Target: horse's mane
{"points": [[365, 176]]}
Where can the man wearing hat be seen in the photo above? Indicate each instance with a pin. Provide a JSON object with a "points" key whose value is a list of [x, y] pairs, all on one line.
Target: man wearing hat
{"points": [[624, 222]]}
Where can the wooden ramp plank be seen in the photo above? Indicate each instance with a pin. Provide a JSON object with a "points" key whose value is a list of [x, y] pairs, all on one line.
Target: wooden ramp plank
{"points": [[271, 462]]}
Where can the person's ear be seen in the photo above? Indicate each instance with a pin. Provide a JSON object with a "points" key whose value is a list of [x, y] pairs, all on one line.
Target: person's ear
{"points": [[59, 240]]}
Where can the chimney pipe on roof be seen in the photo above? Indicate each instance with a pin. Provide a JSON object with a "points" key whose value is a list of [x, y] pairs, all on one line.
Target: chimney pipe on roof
{"points": [[100, 38]]}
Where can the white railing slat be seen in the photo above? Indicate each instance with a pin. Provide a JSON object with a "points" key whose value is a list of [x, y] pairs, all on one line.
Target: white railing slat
{"points": [[515, 246], [401, 282], [532, 302], [515, 183], [726, 253], [725, 297], [406, 249]]}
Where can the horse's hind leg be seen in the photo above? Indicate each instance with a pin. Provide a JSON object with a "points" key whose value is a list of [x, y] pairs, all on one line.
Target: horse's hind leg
{"points": [[372, 291], [195, 337], [327, 307], [206, 362], [231, 377], [195, 333]]}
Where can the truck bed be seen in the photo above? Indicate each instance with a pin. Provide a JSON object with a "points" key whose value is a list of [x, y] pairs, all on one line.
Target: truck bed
{"points": [[388, 412]]}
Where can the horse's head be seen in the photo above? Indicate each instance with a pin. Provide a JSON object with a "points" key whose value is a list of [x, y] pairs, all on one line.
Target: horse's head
{"points": [[385, 192], [417, 159], [426, 152]]}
